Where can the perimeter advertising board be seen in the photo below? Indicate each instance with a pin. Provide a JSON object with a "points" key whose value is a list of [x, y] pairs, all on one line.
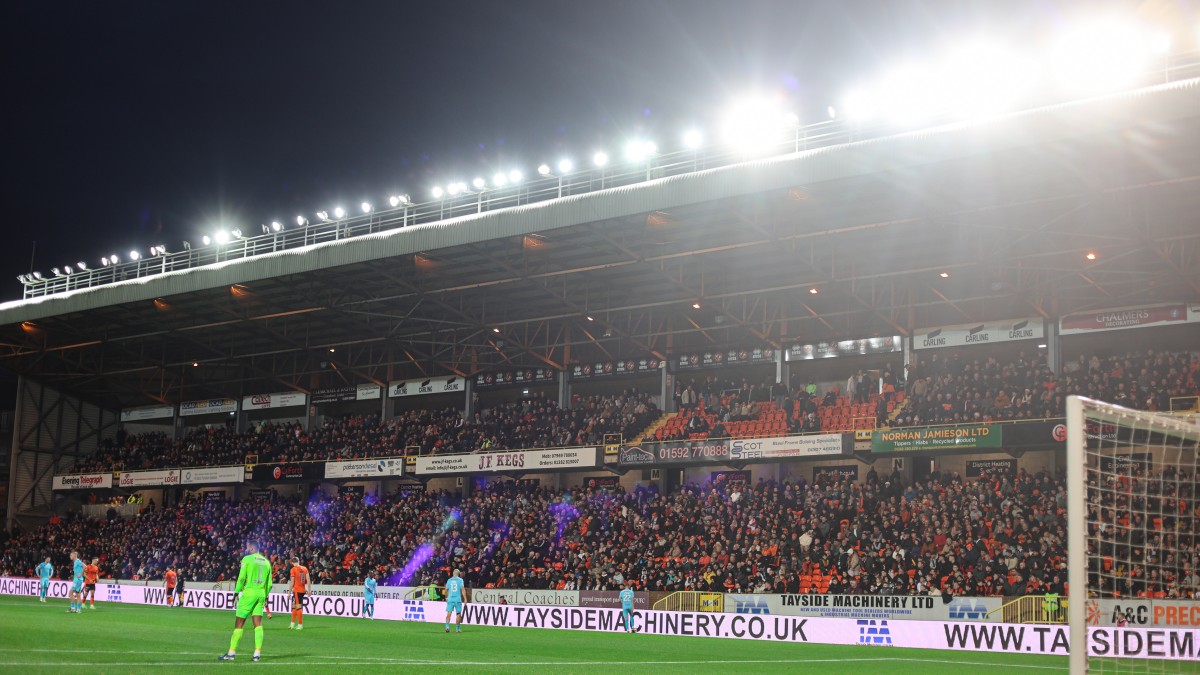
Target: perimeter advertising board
{"points": [[1181, 644], [932, 439], [280, 472], [523, 461], [365, 468], [211, 475], [82, 481], [286, 399], [152, 412], [785, 447], [362, 392], [965, 335], [675, 452], [133, 479], [1127, 317], [209, 407]]}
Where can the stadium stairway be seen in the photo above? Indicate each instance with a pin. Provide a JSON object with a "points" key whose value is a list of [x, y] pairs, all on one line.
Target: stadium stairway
{"points": [[651, 431]]}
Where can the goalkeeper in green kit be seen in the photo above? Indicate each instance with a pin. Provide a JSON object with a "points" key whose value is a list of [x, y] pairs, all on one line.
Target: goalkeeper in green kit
{"points": [[254, 584]]}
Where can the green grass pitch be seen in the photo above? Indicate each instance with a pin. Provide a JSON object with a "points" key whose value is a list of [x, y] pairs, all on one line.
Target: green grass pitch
{"points": [[36, 637]]}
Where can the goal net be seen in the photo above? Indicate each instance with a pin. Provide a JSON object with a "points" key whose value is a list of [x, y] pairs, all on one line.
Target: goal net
{"points": [[1134, 593]]}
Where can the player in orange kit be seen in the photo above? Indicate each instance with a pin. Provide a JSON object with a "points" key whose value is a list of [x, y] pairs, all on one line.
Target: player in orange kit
{"points": [[90, 574], [170, 581], [299, 587]]}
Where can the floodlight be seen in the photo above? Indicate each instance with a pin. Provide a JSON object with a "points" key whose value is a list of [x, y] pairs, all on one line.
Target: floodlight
{"points": [[638, 151], [394, 201], [37, 275], [479, 183], [544, 169], [114, 258], [565, 166], [339, 212], [206, 240], [81, 265], [134, 255], [859, 104], [236, 233], [221, 236], [301, 221], [366, 207], [266, 229], [1101, 55], [187, 245], [276, 225], [453, 189], [692, 139], [755, 124], [600, 158], [500, 180], [981, 79], [438, 192], [515, 176], [323, 215], [57, 272], [404, 199], [68, 270], [832, 112], [1161, 43]]}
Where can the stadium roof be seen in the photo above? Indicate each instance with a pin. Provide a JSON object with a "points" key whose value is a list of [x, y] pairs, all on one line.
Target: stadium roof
{"points": [[1007, 208]]}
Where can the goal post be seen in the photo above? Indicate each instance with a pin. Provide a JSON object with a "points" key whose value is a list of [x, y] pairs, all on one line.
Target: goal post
{"points": [[1133, 531]]}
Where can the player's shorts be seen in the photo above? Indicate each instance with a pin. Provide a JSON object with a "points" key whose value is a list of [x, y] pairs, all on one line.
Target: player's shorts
{"points": [[174, 590], [299, 599], [89, 588], [44, 583], [369, 599], [250, 604], [454, 606], [77, 586]]}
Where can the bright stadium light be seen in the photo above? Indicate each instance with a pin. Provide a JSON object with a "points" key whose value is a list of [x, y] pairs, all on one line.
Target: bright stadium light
{"points": [[394, 200], [1161, 43], [982, 78], [600, 158], [301, 221], [755, 124], [544, 169], [339, 212], [134, 255], [640, 151], [832, 112], [206, 240], [909, 94], [221, 237], [1102, 54], [82, 266], [565, 165], [453, 189], [515, 176], [693, 139], [276, 225], [68, 270], [366, 207], [235, 233], [437, 192], [38, 275], [500, 180], [323, 215], [479, 183], [56, 272]]}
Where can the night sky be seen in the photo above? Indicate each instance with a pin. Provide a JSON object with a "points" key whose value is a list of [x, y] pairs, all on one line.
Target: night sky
{"points": [[138, 123]]}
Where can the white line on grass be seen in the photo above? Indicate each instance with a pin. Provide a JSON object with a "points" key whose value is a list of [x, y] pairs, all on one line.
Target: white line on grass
{"points": [[293, 664]]}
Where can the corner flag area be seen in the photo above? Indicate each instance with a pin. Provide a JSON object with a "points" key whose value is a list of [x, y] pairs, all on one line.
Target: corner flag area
{"points": [[122, 638]]}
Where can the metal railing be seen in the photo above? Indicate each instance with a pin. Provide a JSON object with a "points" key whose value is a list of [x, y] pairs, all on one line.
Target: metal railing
{"points": [[691, 601], [1031, 609], [470, 200]]}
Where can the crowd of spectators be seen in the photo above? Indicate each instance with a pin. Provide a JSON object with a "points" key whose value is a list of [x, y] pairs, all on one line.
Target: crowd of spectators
{"points": [[883, 536], [957, 390], [535, 422]]}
